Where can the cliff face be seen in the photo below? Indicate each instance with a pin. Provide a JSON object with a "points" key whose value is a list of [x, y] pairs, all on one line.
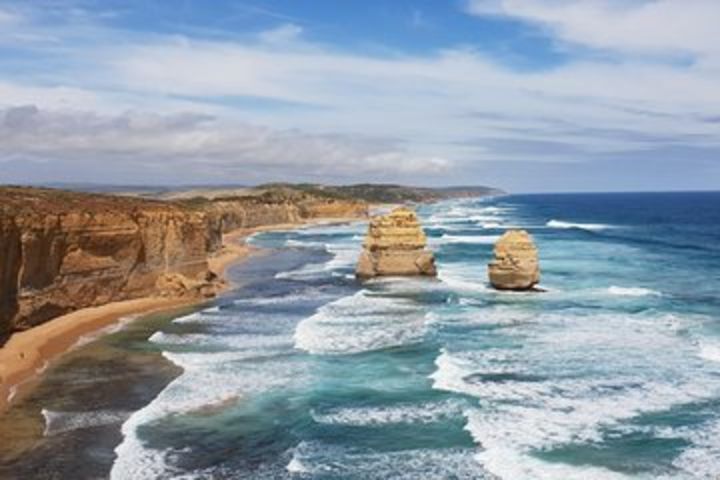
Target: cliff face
{"points": [[10, 259], [395, 245], [251, 212], [62, 251]]}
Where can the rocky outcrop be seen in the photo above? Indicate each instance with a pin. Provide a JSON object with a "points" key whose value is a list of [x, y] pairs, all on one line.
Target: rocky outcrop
{"points": [[395, 245], [516, 265]]}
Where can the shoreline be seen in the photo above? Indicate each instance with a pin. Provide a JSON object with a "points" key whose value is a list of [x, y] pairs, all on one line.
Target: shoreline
{"points": [[27, 354]]}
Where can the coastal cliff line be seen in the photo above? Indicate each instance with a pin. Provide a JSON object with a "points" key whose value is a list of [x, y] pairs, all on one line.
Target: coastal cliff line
{"points": [[63, 251]]}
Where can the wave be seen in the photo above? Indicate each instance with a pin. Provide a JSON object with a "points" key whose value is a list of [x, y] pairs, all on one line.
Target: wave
{"points": [[700, 460], [420, 413], [593, 227], [472, 239], [534, 398], [360, 322], [122, 322], [344, 256], [633, 292], [291, 242], [710, 351], [57, 422], [459, 280], [314, 458], [217, 371]]}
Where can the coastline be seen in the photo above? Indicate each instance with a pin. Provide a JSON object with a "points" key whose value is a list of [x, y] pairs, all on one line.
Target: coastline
{"points": [[27, 354]]}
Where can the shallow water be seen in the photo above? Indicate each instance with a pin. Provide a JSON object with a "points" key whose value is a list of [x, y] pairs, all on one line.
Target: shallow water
{"points": [[614, 372]]}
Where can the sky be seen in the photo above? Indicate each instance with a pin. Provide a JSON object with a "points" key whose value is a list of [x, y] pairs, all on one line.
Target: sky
{"points": [[524, 95]]}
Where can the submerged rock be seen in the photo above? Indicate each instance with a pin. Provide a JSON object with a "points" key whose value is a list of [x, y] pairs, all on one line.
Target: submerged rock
{"points": [[516, 265], [395, 245]]}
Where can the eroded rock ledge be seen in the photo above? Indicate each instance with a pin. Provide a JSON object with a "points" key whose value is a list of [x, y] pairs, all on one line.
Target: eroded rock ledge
{"points": [[395, 245]]}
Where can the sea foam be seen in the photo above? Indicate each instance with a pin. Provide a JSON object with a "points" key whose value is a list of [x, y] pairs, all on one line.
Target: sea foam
{"points": [[360, 322], [581, 226]]}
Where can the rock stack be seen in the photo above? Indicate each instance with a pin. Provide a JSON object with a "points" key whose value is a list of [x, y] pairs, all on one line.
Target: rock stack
{"points": [[395, 245], [516, 265]]}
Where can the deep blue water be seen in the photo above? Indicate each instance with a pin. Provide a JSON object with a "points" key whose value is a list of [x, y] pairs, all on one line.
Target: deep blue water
{"points": [[614, 372]]}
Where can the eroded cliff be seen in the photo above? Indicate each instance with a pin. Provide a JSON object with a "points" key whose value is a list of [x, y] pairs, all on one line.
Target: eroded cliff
{"points": [[61, 251], [278, 207]]}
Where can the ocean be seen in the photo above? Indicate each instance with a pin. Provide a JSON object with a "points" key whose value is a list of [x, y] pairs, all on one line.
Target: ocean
{"points": [[304, 373]]}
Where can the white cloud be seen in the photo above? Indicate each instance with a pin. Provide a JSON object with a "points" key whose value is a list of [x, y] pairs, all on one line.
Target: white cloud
{"points": [[659, 27], [335, 112], [199, 142], [283, 34]]}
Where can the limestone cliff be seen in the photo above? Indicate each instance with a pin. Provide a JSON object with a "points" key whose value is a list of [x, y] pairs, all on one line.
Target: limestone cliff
{"points": [[278, 207], [516, 265], [395, 245], [61, 251]]}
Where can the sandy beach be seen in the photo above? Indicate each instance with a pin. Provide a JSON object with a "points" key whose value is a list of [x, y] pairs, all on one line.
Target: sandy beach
{"points": [[28, 353]]}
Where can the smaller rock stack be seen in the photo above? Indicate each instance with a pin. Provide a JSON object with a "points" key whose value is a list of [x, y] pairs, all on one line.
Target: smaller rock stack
{"points": [[395, 245], [516, 265]]}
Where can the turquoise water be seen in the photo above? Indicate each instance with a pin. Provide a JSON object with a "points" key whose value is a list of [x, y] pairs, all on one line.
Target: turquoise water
{"points": [[614, 372]]}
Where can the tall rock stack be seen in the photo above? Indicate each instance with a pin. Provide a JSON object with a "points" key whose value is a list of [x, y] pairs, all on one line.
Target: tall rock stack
{"points": [[395, 245], [516, 265]]}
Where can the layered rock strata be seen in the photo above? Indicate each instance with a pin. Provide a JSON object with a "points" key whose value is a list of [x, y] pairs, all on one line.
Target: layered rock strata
{"points": [[61, 251], [395, 245], [515, 265]]}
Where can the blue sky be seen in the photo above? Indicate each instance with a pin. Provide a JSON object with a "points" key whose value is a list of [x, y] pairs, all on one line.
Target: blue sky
{"points": [[528, 95]]}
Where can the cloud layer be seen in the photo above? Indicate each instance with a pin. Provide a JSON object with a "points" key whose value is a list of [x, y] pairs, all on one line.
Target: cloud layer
{"points": [[277, 105], [199, 144]]}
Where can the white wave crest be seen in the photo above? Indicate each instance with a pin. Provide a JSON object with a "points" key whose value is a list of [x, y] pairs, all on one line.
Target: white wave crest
{"points": [[472, 239], [60, 422], [710, 351], [360, 322], [582, 226], [428, 412], [633, 292], [327, 460], [533, 398]]}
